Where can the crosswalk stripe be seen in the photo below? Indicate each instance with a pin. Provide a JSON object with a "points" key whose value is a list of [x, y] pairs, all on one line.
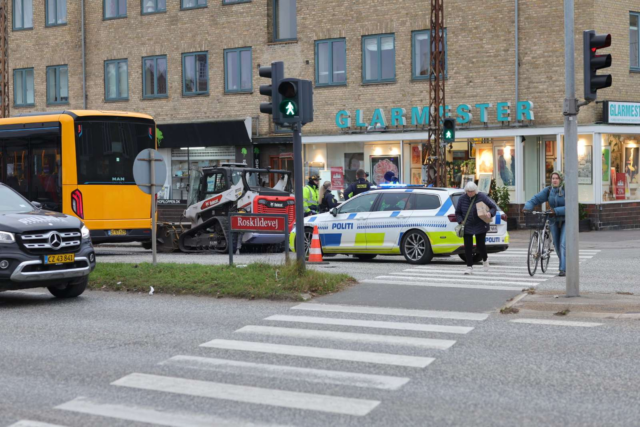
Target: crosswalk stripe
{"points": [[150, 415], [433, 284], [353, 379], [237, 393], [437, 344], [390, 311], [486, 275], [30, 423], [322, 353], [462, 279], [524, 255], [476, 270], [493, 265], [582, 251], [373, 324], [557, 322]]}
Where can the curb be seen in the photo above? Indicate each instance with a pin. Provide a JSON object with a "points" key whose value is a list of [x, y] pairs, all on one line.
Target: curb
{"points": [[578, 314]]}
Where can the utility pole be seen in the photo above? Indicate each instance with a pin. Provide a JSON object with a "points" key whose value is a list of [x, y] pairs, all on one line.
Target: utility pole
{"points": [[571, 152], [433, 152]]}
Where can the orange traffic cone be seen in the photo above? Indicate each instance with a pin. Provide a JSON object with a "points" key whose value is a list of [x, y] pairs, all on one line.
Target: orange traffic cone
{"points": [[315, 250]]}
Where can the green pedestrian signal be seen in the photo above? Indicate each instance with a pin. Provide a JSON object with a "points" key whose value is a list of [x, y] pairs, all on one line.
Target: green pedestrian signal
{"points": [[288, 108], [449, 131]]}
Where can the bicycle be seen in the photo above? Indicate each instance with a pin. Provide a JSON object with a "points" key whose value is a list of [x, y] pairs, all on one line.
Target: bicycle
{"points": [[540, 243]]}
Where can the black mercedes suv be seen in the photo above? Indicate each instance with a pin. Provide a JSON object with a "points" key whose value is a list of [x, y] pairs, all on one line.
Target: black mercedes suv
{"points": [[40, 248]]}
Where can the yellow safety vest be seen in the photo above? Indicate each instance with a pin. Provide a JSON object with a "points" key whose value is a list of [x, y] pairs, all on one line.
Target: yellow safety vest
{"points": [[310, 197]]}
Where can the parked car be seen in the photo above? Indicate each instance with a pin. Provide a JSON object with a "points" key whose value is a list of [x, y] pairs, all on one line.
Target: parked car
{"points": [[41, 248]]}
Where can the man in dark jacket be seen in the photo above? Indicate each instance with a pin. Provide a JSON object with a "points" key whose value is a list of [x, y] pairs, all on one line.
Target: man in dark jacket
{"points": [[474, 226], [360, 186]]}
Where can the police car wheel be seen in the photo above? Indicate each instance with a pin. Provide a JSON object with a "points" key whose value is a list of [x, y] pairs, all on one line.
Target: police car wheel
{"points": [[416, 248], [365, 257], [308, 235], [476, 258]]}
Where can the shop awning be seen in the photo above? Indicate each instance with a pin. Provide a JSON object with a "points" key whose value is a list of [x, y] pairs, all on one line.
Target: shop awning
{"points": [[206, 134]]}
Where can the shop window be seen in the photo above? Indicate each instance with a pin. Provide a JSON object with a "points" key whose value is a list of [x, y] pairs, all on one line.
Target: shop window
{"points": [[634, 41], [421, 54], [56, 11], [153, 6], [115, 9], [193, 4], [23, 91], [116, 80], [620, 168], [154, 77], [331, 62], [22, 14], [378, 59], [285, 23], [238, 70], [57, 85], [195, 73], [235, 1]]}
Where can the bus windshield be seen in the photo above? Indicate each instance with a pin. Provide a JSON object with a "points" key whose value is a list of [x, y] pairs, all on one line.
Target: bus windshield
{"points": [[106, 151]]}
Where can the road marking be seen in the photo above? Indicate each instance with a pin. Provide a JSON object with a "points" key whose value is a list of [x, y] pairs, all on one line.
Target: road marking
{"points": [[476, 270], [237, 393], [582, 251], [557, 322], [389, 311], [348, 336], [382, 382], [524, 255], [433, 284], [29, 423], [150, 415], [322, 353], [24, 293], [373, 324], [463, 279], [459, 274]]}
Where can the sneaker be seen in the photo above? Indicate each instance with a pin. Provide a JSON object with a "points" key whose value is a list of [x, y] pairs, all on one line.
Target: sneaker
{"points": [[469, 271], [562, 273], [485, 264]]}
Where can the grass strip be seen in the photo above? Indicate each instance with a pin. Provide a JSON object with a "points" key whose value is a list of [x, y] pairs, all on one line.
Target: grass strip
{"points": [[255, 281]]}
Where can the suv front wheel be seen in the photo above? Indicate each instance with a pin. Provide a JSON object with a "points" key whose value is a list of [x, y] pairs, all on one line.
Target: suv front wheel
{"points": [[70, 291], [416, 248]]}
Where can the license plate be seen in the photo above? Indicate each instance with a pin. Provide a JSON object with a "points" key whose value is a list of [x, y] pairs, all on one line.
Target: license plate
{"points": [[493, 228], [117, 232], [59, 259]]}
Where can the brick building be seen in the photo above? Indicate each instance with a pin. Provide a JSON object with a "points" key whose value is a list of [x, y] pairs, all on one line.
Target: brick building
{"points": [[192, 64]]}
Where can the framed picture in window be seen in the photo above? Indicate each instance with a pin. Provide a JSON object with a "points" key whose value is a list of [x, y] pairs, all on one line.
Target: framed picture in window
{"points": [[416, 176], [550, 148], [585, 165], [381, 165], [484, 183], [416, 156], [472, 149], [631, 164], [468, 178]]}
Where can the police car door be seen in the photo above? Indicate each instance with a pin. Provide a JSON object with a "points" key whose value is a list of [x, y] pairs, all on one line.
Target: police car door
{"points": [[387, 220], [345, 231]]}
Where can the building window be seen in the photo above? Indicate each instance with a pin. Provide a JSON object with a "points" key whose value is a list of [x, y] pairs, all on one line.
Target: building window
{"points": [[193, 4], [154, 77], [195, 73], [22, 14], [58, 85], [116, 80], [331, 62], [237, 70], [421, 42], [235, 1], [634, 37], [115, 9], [23, 94], [153, 6], [285, 22], [378, 58], [56, 12]]}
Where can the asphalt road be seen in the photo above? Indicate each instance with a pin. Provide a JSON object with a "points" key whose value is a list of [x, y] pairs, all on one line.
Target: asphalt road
{"points": [[409, 346]]}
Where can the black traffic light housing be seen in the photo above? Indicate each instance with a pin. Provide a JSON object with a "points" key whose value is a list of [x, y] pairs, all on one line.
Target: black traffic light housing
{"points": [[296, 101], [276, 73], [592, 63], [449, 130]]}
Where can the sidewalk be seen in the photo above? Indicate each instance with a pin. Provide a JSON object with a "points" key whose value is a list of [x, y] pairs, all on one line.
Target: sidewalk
{"points": [[609, 282]]}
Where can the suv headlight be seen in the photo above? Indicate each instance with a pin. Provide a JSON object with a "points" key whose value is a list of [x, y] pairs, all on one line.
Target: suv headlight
{"points": [[6, 237], [86, 234]]}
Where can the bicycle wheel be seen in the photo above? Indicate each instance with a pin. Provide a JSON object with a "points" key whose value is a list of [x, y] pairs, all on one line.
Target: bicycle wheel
{"points": [[546, 252], [532, 256]]}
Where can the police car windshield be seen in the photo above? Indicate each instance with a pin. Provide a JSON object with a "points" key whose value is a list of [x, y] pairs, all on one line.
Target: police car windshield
{"points": [[11, 202]]}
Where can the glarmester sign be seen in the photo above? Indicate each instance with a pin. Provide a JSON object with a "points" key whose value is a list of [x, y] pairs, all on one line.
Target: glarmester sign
{"points": [[622, 112]]}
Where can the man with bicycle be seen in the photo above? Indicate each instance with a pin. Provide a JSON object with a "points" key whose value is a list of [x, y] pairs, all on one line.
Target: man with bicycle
{"points": [[554, 195]]}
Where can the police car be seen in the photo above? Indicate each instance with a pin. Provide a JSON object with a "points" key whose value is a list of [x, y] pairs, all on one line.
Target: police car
{"points": [[413, 221]]}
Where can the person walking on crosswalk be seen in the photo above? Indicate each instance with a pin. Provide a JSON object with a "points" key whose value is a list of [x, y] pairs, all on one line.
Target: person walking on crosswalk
{"points": [[474, 225]]}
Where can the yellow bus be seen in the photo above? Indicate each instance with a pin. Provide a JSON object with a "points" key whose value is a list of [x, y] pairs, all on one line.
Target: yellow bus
{"points": [[80, 163]]}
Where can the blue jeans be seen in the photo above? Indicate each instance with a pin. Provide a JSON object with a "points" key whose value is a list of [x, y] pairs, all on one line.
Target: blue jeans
{"points": [[558, 234]]}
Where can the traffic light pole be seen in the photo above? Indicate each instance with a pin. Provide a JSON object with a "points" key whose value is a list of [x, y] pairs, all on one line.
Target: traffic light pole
{"points": [[298, 173], [571, 156]]}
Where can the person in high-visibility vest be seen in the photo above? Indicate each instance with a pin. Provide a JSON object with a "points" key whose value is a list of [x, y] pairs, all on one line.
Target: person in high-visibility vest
{"points": [[360, 186], [310, 196]]}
